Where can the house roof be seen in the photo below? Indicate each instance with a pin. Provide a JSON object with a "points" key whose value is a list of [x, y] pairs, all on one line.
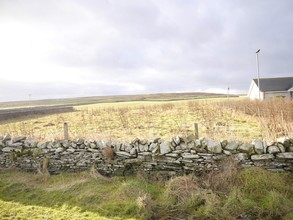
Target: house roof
{"points": [[275, 84]]}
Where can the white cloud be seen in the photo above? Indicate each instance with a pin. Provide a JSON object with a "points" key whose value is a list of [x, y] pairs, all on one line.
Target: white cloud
{"points": [[106, 47]]}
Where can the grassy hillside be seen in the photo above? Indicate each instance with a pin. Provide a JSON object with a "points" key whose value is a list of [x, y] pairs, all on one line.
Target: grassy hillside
{"points": [[111, 99], [219, 118], [233, 194], [127, 120]]}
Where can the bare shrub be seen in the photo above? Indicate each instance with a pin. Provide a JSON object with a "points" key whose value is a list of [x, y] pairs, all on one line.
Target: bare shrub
{"points": [[108, 152], [43, 167], [94, 173], [275, 116], [180, 188], [223, 181], [145, 204]]}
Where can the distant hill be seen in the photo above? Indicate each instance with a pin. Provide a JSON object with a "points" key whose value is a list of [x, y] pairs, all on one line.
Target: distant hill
{"points": [[109, 99]]}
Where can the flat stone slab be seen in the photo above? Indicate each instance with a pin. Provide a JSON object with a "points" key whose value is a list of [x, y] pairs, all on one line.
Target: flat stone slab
{"points": [[171, 155], [145, 153], [123, 154], [71, 150], [190, 156], [241, 156], [287, 155], [134, 160], [226, 152], [59, 150], [7, 149], [262, 157]]}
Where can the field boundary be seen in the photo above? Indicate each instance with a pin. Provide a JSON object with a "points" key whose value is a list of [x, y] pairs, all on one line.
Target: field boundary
{"points": [[181, 155]]}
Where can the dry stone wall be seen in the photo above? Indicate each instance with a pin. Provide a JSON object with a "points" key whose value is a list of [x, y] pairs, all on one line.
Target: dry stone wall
{"points": [[181, 155]]}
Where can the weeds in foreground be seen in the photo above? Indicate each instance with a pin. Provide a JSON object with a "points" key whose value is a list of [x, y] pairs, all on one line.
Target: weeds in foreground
{"points": [[230, 194], [222, 182]]}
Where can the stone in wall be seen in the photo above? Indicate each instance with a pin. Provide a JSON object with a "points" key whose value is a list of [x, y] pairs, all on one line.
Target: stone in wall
{"points": [[259, 146], [232, 146], [262, 157], [214, 146], [246, 148]]}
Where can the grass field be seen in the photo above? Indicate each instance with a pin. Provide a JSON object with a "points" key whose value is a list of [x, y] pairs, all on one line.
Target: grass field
{"points": [[232, 194], [128, 120], [110, 99], [218, 118]]}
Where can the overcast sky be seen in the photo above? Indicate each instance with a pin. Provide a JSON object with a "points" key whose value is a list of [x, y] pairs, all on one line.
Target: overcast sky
{"points": [[73, 48]]}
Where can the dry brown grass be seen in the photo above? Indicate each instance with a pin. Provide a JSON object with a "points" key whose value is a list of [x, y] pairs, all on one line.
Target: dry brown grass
{"points": [[43, 167], [222, 182], [108, 152], [243, 120], [180, 188], [94, 173], [275, 116]]}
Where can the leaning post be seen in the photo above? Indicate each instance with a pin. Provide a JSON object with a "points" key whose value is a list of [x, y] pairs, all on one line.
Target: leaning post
{"points": [[65, 131], [196, 130]]}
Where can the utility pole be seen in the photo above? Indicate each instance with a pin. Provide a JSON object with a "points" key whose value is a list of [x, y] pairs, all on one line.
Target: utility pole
{"points": [[257, 65]]}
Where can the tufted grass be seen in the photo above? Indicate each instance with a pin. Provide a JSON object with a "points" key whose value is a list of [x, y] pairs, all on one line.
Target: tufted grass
{"points": [[14, 210], [115, 198], [262, 194], [254, 194], [129, 120]]}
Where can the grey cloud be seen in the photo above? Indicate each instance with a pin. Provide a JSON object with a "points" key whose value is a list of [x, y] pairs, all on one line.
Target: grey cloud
{"points": [[190, 45], [14, 90]]}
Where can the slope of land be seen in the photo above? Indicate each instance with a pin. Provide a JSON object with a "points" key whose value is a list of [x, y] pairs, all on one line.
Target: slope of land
{"points": [[217, 118]]}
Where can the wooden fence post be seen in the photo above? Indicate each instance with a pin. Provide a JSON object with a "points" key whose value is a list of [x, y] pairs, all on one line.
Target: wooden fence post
{"points": [[65, 131], [196, 130]]}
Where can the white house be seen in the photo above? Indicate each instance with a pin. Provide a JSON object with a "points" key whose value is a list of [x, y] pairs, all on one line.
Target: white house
{"points": [[271, 87]]}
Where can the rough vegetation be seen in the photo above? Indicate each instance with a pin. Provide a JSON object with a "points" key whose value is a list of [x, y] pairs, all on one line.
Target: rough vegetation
{"points": [[274, 115], [232, 118], [253, 194], [128, 120]]}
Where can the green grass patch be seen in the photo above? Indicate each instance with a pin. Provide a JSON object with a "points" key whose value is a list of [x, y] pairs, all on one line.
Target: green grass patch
{"points": [[15, 210], [115, 198], [254, 194], [262, 194]]}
